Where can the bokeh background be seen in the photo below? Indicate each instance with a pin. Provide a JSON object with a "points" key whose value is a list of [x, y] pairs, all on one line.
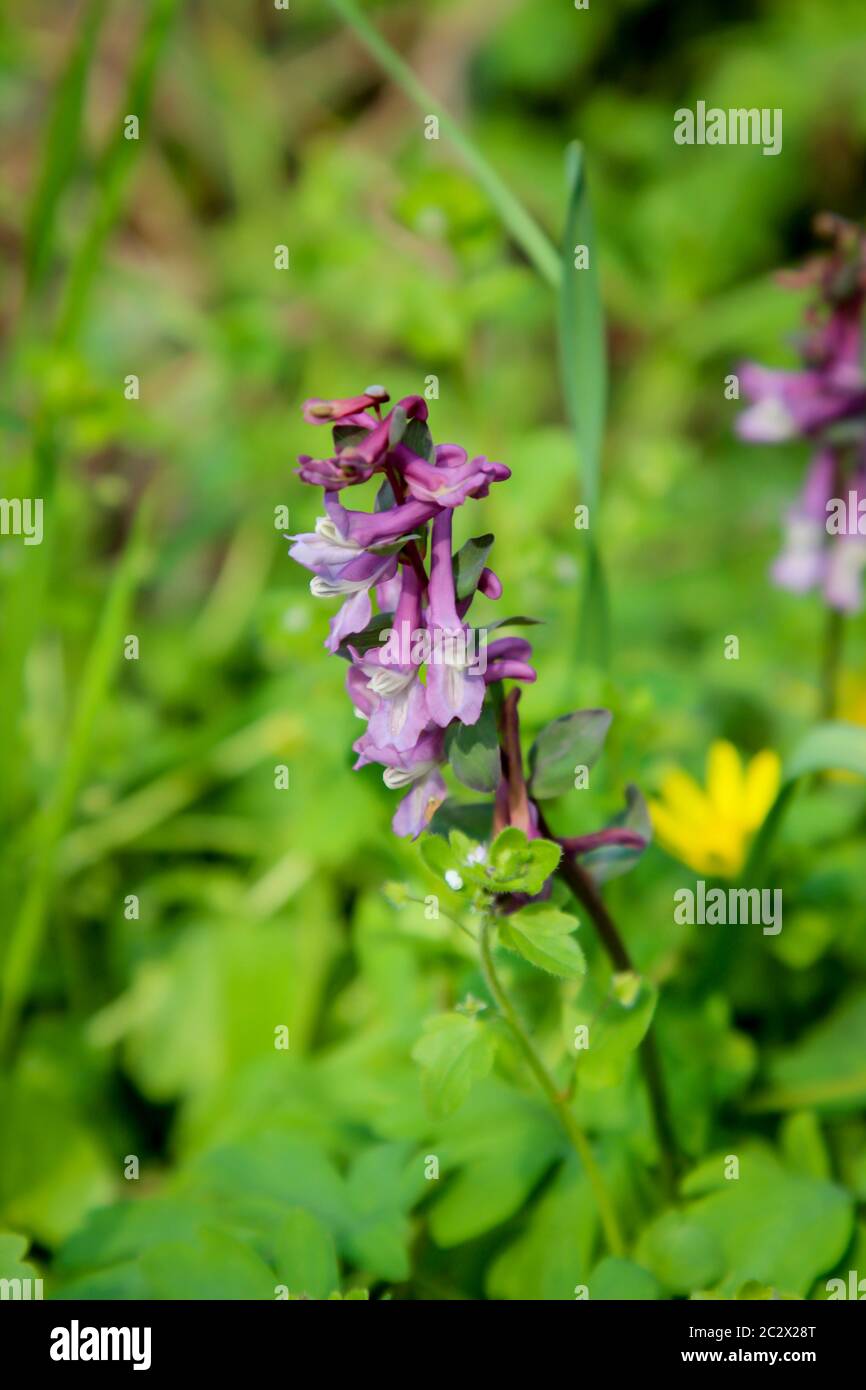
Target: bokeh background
{"points": [[152, 778]]}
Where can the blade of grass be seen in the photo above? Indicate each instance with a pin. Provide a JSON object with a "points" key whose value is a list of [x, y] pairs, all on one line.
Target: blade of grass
{"points": [[28, 929], [830, 747], [60, 156], [115, 168], [583, 366], [519, 223]]}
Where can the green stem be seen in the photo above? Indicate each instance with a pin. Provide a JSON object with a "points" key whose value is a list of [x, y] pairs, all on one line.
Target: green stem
{"points": [[831, 661], [579, 1141], [522, 226], [587, 894]]}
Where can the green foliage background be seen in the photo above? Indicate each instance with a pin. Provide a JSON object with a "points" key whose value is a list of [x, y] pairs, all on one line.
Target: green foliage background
{"points": [[155, 777]]}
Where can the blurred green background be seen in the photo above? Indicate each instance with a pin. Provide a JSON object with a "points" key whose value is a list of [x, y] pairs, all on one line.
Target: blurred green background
{"points": [[146, 1028]]}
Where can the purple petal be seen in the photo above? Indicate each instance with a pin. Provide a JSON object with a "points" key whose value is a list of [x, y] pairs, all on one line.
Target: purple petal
{"points": [[418, 807]]}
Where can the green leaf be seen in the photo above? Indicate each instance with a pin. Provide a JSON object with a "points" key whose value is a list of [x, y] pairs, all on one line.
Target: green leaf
{"points": [[438, 855], [474, 819], [304, 1255], [542, 935], [214, 1266], [369, 638], [610, 861], [385, 1182], [518, 621], [454, 1053], [615, 1029], [573, 740], [803, 1145], [468, 564], [554, 1251], [583, 363], [418, 439], [13, 1248], [618, 1280], [482, 1191], [517, 864], [473, 751], [385, 498], [831, 747], [826, 1068], [835, 747], [684, 1255], [53, 1169], [751, 1219]]}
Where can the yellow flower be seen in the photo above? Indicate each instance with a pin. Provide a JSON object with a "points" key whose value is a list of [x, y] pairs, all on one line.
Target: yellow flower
{"points": [[710, 830], [852, 700]]}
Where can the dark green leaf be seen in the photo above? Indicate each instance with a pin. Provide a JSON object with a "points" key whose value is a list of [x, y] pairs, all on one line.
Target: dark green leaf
{"points": [[468, 564], [473, 751], [574, 740]]}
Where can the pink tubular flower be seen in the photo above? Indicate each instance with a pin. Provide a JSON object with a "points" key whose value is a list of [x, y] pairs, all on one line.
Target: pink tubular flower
{"points": [[415, 768], [455, 687], [318, 412], [341, 553], [399, 714], [452, 478]]}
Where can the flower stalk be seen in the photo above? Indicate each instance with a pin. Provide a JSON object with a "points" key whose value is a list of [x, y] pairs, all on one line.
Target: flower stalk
{"points": [[558, 1102]]}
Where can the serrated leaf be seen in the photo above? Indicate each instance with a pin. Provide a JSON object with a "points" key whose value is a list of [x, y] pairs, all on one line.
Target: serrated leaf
{"points": [[574, 740], [438, 855], [517, 864], [454, 1053], [542, 935], [473, 751]]}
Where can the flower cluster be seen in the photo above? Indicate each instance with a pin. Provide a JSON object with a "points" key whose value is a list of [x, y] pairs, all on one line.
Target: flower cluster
{"points": [[431, 671], [430, 687], [824, 403]]}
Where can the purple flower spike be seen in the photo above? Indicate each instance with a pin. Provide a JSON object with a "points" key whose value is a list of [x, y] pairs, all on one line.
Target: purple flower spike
{"points": [[455, 687], [825, 403], [425, 673]]}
